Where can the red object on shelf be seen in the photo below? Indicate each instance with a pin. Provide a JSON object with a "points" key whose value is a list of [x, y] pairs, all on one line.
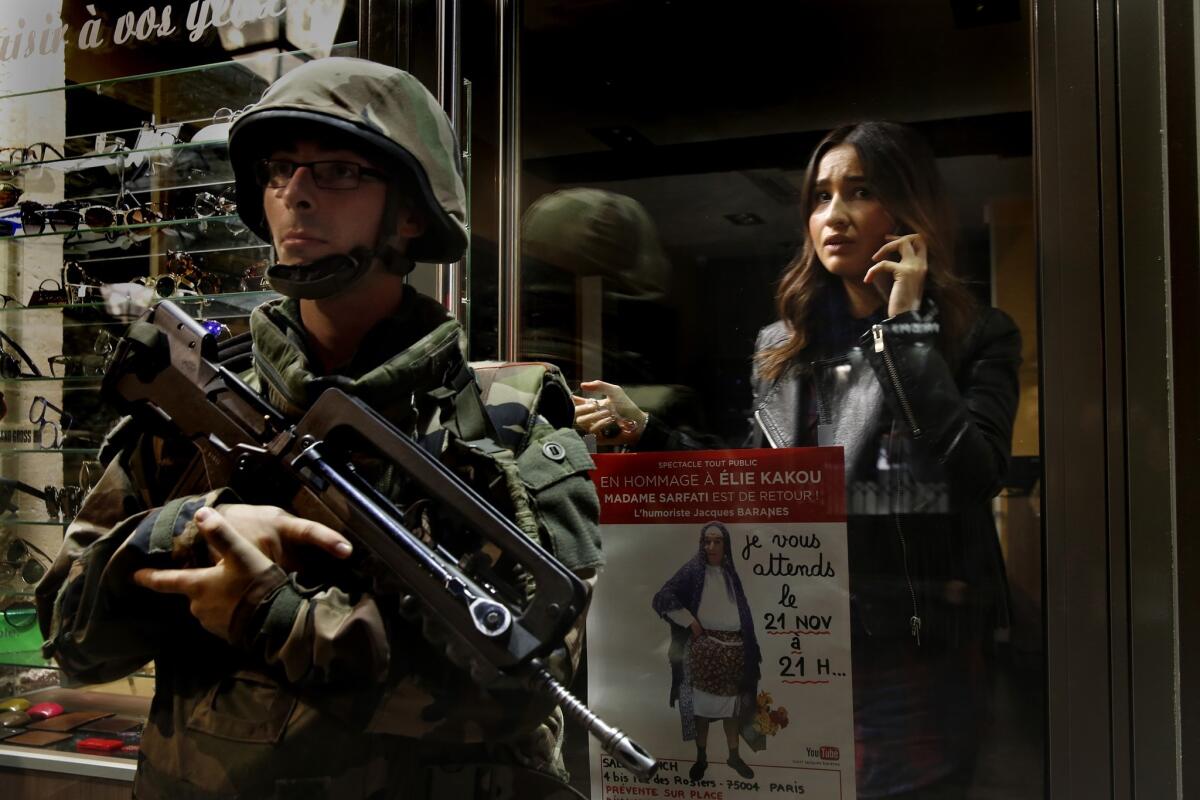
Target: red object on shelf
{"points": [[44, 710], [95, 744]]}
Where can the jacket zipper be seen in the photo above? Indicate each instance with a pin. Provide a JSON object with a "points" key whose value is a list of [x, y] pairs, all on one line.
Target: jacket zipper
{"points": [[877, 333], [771, 440], [914, 622]]}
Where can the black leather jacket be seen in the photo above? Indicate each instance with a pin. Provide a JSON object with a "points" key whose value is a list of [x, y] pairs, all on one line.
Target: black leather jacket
{"points": [[927, 444]]}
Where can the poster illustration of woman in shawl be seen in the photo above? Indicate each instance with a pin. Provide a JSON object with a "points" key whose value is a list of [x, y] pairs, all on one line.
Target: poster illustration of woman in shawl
{"points": [[714, 653]]}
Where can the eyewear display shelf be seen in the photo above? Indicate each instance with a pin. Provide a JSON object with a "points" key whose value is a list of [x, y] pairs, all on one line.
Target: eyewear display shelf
{"points": [[129, 202]]}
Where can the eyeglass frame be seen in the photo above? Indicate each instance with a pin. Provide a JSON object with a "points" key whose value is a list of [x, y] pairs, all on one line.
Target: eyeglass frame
{"points": [[264, 179], [23, 151], [65, 421], [92, 365]]}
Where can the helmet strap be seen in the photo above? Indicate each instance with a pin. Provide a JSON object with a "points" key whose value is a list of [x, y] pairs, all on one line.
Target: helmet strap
{"points": [[334, 274]]}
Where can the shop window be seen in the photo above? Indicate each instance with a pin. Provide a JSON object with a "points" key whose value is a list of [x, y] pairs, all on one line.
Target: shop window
{"points": [[663, 149]]}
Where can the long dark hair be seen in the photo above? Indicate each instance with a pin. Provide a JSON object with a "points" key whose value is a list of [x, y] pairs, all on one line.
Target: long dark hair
{"points": [[899, 167]]}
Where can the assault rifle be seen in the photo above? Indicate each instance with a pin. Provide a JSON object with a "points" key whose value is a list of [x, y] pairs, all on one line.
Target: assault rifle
{"points": [[167, 373]]}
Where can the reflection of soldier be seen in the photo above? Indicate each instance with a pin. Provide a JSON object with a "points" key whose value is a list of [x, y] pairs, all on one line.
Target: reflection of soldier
{"points": [[572, 236], [589, 252], [714, 652]]}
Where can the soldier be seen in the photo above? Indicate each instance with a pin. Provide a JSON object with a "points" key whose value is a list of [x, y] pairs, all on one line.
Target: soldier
{"points": [[280, 670]]}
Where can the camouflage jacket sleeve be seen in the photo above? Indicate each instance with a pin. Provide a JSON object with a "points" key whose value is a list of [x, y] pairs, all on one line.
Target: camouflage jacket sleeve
{"points": [[347, 649], [96, 623]]}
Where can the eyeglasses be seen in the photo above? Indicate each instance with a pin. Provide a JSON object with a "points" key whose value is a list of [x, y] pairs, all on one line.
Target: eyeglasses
{"points": [[274, 173], [19, 560], [37, 415], [76, 366], [7, 300], [33, 153]]}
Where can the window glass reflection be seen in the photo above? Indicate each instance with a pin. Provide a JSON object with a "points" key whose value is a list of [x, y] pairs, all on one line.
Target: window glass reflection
{"points": [[667, 214]]}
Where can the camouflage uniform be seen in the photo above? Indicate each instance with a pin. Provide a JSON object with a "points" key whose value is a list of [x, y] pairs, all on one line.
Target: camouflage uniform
{"points": [[326, 690]]}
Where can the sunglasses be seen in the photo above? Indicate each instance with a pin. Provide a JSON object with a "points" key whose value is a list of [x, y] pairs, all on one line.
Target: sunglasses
{"points": [[63, 502], [19, 559], [183, 265], [20, 615], [66, 216], [61, 217], [168, 285], [9, 194], [208, 204], [10, 362]]}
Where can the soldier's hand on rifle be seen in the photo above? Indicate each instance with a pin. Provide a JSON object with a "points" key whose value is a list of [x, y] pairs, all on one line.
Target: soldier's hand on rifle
{"points": [[284, 538], [214, 592]]}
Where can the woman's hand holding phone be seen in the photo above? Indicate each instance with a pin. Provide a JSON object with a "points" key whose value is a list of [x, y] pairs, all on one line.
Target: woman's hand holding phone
{"points": [[899, 273], [614, 419]]}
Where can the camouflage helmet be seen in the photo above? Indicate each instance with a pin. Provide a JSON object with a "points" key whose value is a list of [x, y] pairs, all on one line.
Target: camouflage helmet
{"points": [[388, 115], [588, 232]]}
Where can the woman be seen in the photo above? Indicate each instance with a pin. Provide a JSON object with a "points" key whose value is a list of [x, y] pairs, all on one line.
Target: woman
{"points": [[881, 350], [714, 652]]}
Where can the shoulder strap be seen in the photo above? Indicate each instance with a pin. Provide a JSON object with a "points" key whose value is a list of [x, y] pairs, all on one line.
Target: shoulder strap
{"points": [[517, 393], [462, 410]]}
